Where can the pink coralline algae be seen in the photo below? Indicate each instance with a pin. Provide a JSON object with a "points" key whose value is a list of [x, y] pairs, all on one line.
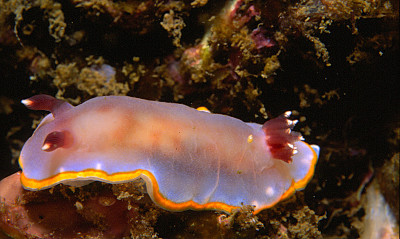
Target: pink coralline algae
{"points": [[25, 214], [259, 38]]}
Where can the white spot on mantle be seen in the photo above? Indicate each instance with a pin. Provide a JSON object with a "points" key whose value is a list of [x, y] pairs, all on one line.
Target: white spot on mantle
{"points": [[269, 191]]}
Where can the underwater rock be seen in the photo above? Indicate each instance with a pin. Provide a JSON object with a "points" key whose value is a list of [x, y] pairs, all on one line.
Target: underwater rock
{"points": [[61, 213]]}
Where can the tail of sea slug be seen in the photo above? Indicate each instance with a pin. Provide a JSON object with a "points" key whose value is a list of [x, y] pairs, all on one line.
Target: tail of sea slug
{"points": [[280, 138]]}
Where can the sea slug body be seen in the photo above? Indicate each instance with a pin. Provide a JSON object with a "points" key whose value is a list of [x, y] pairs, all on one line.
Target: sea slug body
{"points": [[189, 159]]}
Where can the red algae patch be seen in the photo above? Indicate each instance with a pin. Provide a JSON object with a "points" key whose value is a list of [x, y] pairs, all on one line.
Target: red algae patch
{"points": [[66, 212]]}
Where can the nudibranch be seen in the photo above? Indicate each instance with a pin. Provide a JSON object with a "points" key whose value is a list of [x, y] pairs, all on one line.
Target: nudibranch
{"points": [[189, 159]]}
